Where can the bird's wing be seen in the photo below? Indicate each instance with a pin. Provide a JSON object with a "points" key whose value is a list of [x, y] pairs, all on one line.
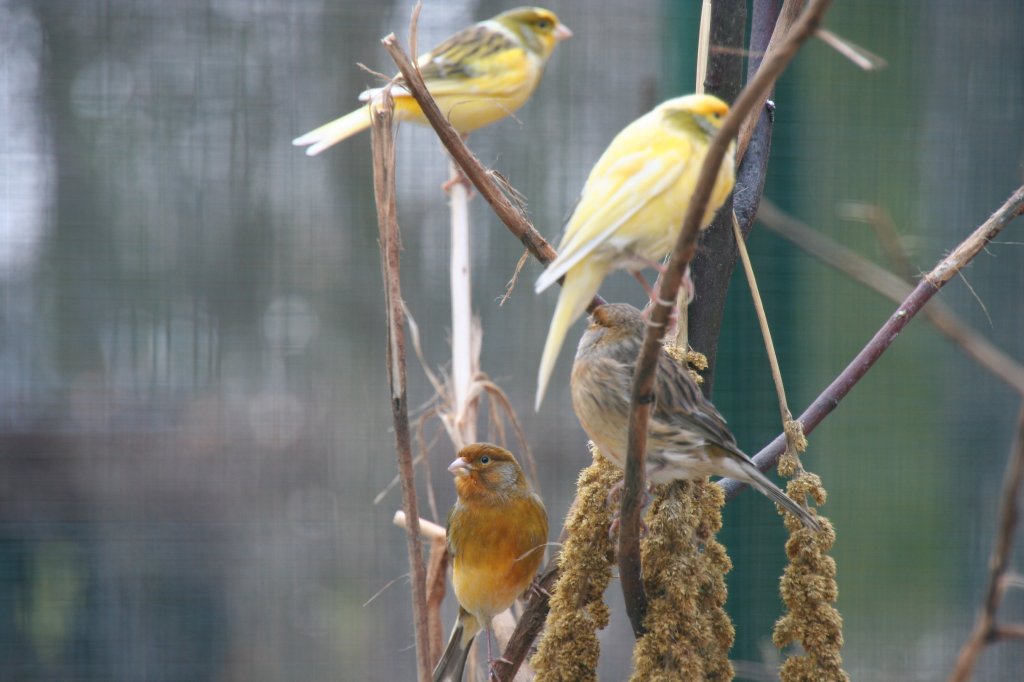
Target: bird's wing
{"points": [[615, 191], [682, 406], [483, 59]]}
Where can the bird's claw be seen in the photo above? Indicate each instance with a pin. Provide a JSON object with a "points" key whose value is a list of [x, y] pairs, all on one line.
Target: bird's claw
{"points": [[459, 179], [537, 589], [492, 673]]}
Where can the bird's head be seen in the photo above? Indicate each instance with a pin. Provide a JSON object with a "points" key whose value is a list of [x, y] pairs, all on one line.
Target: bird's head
{"points": [[485, 469], [612, 323], [699, 115], [539, 28]]}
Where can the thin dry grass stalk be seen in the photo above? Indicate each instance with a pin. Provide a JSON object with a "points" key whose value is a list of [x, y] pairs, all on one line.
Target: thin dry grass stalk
{"points": [[383, 143]]}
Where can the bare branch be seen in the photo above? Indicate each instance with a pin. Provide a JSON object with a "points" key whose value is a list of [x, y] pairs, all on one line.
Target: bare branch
{"points": [[985, 629], [383, 143], [947, 268], [974, 344], [643, 378]]}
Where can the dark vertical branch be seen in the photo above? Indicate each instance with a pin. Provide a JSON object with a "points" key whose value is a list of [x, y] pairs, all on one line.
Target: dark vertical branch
{"points": [[390, 247], [642, 395], [716, 258]]}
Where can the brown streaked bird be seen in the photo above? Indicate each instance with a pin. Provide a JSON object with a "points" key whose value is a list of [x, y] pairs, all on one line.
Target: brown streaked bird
{"points": [[497, 533], [687, 438]]}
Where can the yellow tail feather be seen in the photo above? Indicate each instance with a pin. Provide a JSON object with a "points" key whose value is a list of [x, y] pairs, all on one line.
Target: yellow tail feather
{"points": [[334, 132], [578, 289]]}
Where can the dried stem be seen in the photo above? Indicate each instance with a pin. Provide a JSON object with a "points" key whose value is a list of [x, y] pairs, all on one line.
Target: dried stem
{"points": [[437, 583], [762, 319], [946, 269], [460, 289], [642, 395], [779, 42], [986, 630], [390, 247], [847, 261]]}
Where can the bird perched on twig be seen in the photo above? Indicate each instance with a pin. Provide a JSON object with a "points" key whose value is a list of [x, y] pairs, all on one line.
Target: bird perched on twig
{"points": [[478, 76], [687, 438], [497, 532], [632, 207]]}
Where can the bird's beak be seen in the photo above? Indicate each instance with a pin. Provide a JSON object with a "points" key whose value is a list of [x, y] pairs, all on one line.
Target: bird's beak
{"points": [[562, 32], [459, 467]]}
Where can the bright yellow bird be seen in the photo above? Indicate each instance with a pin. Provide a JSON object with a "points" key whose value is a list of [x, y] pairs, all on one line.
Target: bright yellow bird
{"points": [[632, 207], [478, 76]]}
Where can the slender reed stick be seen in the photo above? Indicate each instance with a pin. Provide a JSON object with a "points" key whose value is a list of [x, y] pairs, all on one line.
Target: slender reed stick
{"points": [[383, 143]]}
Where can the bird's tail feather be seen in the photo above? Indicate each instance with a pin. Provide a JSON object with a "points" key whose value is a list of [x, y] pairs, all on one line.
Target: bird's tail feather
{"points": [[330, 134], [453, 661], [578, 289], [764, 485]]}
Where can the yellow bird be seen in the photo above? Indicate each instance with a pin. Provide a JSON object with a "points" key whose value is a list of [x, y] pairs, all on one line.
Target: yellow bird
{"points": [[497, 532], [632, 207], [478, 76]]}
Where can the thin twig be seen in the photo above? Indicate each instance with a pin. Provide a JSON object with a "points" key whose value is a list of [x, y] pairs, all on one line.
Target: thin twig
{"points": [[985, 629], [778, 42], [387, 220], [762, 320], [847, 261], [642, 396], [428, 529], [885, 231], [946, 269], [864, 59]]}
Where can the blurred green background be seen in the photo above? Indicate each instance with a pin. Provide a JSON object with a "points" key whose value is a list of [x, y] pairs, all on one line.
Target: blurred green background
{"points": [[194, 419]]}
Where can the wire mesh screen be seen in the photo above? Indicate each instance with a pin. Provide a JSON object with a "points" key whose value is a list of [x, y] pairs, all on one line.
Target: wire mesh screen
{"points": [[196, 447]]}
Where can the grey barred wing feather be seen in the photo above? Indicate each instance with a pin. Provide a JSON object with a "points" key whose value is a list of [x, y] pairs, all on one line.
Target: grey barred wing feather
{"points": [[681, 405]]}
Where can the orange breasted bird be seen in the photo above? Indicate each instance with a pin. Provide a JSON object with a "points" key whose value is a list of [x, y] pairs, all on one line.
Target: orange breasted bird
{"points": [[497, 533]]}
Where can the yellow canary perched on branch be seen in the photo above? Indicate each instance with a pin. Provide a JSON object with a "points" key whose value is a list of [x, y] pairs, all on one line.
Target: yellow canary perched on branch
{"points": [[478, 76], [687, 438], [632, 207], [497, 532]]}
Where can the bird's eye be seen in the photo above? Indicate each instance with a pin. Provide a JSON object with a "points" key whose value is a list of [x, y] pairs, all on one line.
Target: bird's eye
{"points": [[543, 24], [485, 459]]}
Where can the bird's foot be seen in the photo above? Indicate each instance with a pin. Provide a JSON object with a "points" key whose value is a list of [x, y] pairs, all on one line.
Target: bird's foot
{"points": [[460, 179], [687, 286], [492, 672], [537, 589]]}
